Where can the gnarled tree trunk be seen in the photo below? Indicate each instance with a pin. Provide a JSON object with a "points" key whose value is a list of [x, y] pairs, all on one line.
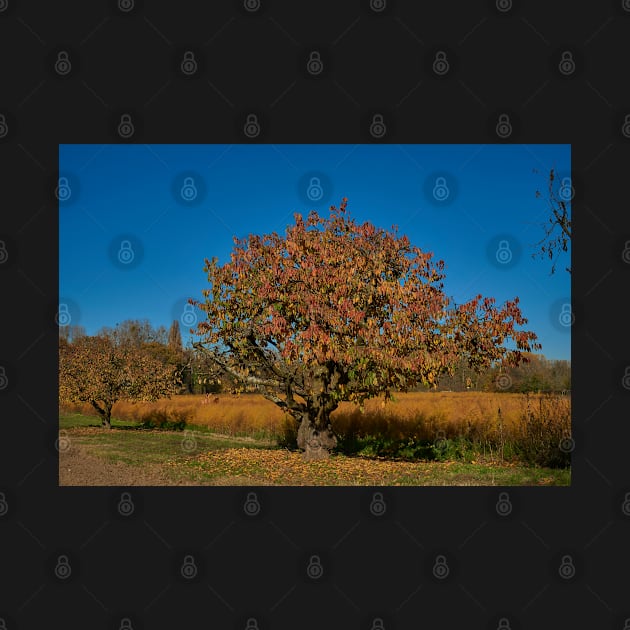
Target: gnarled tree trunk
{"points": [[315, 435], [105, 412]]}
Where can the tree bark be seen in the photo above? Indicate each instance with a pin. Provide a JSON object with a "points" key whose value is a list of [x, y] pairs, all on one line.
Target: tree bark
{"points": [[105, 413], [315, 435]]}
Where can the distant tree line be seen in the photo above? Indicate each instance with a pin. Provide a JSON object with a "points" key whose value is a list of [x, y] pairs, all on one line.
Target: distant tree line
{"points": [[197, 372], [537, 375]]}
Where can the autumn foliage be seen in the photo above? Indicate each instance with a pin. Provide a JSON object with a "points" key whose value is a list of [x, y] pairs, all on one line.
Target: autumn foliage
{"points": [[340, 311], [99, 371]]}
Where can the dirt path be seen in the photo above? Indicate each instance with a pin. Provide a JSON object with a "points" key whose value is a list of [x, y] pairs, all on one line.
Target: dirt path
{"points": [[77, 467]]}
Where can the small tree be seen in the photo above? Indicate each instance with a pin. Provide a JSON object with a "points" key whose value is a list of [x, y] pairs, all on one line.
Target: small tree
{"points": [[339, 311], [175, 337], [99, 371], [71, 332], [558, 227]]}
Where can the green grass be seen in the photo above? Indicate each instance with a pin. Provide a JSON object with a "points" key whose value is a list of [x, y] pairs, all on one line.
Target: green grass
{"points": [[130, 443], [467, 474], [204, 457]]}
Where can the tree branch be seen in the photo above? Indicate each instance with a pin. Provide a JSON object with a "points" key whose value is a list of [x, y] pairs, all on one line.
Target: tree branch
{"points": [[252, 380]]}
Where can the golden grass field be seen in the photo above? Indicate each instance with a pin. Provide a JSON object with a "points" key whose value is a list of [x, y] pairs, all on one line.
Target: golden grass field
{"points": [[417, 415]]}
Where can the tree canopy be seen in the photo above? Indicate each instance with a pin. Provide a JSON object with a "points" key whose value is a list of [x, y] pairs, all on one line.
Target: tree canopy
{"points": [[101, 370], [336, 310]]}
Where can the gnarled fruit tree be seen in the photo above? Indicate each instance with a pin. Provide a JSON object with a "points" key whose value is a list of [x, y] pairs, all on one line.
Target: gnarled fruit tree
{"points": [[338, 311], [100, 371]]}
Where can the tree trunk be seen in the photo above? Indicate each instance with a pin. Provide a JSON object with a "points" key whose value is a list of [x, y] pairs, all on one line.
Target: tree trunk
{"points": [[105, 413], [315, 436]]}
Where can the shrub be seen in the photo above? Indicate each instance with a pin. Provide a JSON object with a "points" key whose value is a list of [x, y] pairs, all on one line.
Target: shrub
{"points": [[542, 426], [165, 419], [287, 434]]}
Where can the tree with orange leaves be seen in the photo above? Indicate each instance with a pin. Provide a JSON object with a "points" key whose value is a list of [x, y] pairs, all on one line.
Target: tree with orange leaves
{"points": [[338, 311]]}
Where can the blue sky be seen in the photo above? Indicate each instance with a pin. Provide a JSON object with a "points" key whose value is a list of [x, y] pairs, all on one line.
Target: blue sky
{"points": [[137, 221]]}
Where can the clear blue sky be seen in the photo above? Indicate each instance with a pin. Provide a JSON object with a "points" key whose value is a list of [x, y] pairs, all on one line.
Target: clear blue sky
{"points": [[474, 206]]}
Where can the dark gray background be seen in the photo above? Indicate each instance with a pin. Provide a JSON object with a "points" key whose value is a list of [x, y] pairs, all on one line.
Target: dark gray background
{"points": [[373, 62]]}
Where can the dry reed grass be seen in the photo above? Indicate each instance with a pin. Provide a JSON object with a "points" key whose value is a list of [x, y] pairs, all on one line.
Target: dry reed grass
{"points": [[421, 415], [529, 427]]}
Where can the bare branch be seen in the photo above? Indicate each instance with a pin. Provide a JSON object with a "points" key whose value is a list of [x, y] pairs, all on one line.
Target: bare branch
{"points": [[548, 246]]}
